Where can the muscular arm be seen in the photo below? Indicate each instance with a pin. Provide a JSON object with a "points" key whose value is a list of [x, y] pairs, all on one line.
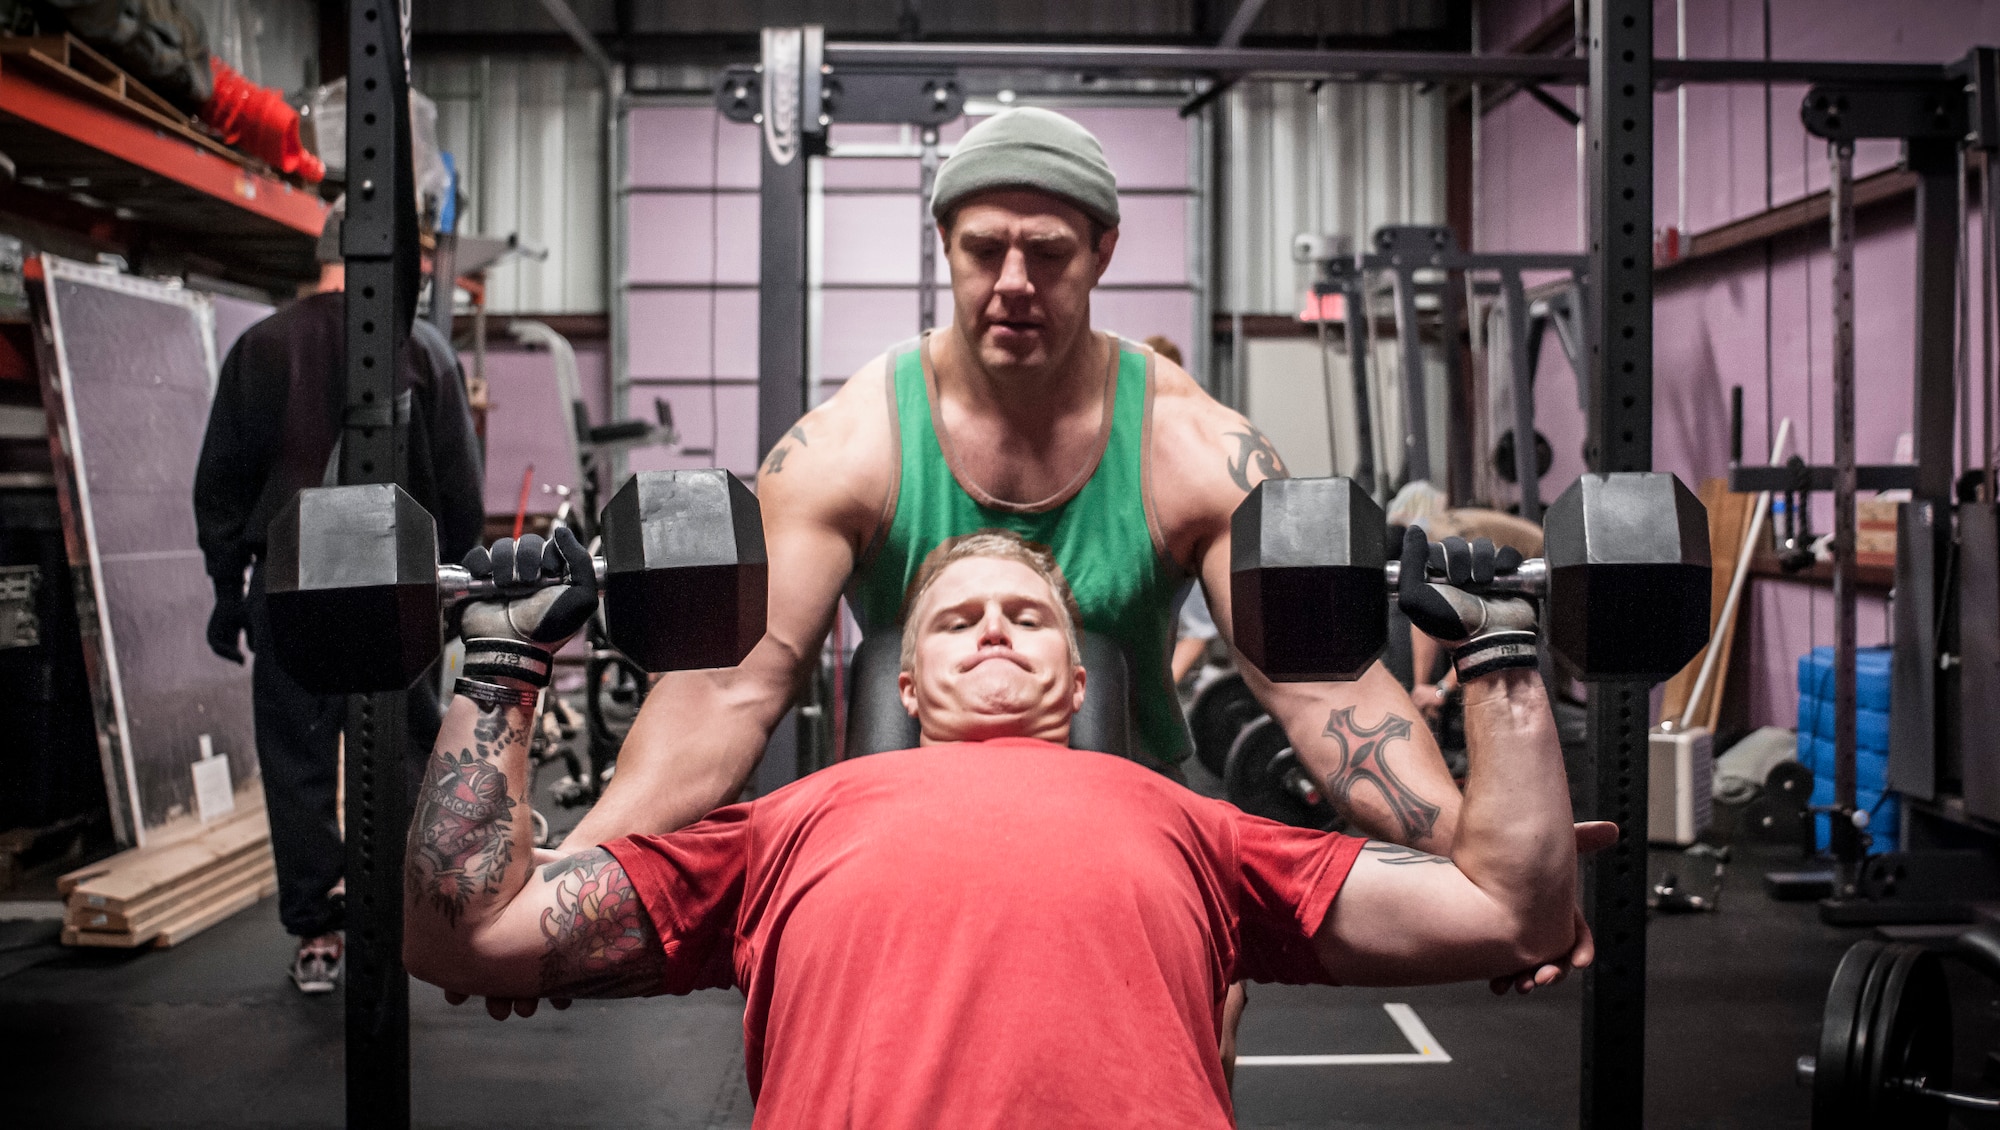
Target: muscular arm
{"points": [[701, 733], [477, 917], [1505, 898], [1364, 740]]}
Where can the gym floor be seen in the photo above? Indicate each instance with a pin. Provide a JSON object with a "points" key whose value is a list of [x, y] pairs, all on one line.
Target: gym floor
{"points": [[212, 1034]]}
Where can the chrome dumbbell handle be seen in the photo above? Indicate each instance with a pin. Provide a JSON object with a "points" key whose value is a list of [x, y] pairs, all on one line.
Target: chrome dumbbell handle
{"points": [[1530, 578], [456, 583]]}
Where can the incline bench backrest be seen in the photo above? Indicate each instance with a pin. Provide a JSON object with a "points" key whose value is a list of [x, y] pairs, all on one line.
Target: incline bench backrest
{"points": [[877, 722]]}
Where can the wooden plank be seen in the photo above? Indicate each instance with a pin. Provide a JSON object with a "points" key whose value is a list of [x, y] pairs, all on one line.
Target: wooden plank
{"points": [[198, 901], [169, 857], [88, 917], [197, 915], [179, 932], [1728, 518], [133, 874], [89, 897], [1796, 215]]}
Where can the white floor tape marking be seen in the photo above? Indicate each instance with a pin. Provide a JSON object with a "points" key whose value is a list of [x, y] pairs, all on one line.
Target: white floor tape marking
{"points": [[1427, 1048]]}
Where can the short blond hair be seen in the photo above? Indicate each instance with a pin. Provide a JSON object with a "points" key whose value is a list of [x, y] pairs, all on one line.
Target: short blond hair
{"points": [[1007, 546]]}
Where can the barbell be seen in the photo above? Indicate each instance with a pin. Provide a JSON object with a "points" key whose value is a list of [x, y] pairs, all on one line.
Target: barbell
{"points": [[356, 592]]}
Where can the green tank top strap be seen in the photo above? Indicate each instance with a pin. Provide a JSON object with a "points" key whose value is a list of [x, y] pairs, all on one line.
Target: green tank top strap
{"points": [[1100, 535]]}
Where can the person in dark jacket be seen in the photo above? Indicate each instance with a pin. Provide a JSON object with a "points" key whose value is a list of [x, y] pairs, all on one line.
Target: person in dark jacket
{"points": [[273, 431]]}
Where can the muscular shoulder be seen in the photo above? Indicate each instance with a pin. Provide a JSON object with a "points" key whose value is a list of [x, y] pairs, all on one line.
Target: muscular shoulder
{"points": [[838, 463], [1204, 457]]}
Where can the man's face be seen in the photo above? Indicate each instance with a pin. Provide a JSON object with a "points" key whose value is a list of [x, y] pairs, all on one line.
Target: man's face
{"points": [[1021, 272], [992, 659]]}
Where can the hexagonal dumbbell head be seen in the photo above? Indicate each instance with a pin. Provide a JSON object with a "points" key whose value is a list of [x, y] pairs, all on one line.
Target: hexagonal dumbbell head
{"points": [[350, 580], [1628, 575], [1307, 590], [685, 576]]}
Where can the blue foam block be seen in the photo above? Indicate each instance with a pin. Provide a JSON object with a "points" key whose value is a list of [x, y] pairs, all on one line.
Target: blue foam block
{"points": [[1871, 769], [1884, 820], [1871, 676], [1871, 727]]}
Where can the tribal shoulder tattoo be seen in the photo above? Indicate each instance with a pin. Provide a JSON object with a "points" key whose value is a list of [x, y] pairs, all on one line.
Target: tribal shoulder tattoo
{"points": [[1254, 453], [775, 462], [461, 837], [599, 941], [1361, 762]]}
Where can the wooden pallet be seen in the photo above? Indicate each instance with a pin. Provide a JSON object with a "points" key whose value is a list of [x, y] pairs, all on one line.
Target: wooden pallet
{"points": [[67, 63], [169, 891]]}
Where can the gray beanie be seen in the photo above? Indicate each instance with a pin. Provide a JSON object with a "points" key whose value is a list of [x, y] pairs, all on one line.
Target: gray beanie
{"points": [[1029, 148]]}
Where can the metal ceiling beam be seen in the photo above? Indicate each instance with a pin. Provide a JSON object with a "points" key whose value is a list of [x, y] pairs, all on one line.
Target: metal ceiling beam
{"points": [[560, 12], [1239, 24], [1344, 66]]}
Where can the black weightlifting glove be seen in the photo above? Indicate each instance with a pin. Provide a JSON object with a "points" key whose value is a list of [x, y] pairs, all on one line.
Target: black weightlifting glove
{"points": [[227, 622], [526, 620], [1487, 633]]}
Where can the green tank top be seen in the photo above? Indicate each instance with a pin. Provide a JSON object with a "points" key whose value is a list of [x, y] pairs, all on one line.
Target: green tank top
{"points": [[1100, 536]]}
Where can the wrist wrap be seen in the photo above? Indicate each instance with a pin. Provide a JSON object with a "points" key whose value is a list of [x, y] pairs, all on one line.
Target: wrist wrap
{"points": [[493, 694], [489, 657], [1495, 651]]}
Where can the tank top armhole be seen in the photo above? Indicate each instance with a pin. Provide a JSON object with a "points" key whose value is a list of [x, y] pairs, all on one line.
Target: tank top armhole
{"points": [[1153, 529], [887, 517]]}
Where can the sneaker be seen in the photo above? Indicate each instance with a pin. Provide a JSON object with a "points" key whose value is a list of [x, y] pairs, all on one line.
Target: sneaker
{"points": [[316, 968]]}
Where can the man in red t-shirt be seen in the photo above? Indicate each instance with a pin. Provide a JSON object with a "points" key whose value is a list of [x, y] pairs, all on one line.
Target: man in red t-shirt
{"points": [[992, 929]]}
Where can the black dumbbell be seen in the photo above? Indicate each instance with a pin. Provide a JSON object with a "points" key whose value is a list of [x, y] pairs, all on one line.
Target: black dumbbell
{"points": [[1625, 578], [356, 593]]}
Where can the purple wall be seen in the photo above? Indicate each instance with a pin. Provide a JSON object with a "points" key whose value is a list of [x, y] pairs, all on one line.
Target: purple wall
{"points": [[1709, 317], [693, 262], [523, 421]]}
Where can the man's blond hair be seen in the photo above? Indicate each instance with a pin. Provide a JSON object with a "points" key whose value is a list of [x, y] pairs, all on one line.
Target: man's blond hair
{"points": [[1007, 546]]}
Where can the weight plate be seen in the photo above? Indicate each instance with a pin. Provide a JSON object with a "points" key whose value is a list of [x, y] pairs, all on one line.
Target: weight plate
{"points": [[1910, 1040], [1770, 820], [1263, 777], [1217, 715], [1836, 1092], [1789, 780]]}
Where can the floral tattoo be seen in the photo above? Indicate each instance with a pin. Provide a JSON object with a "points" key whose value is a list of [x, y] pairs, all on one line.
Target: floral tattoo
{"points": [[600, 943]]}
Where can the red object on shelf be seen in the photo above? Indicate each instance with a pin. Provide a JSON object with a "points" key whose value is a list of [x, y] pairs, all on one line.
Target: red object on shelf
{"points": [[78, 126], [257, 120]]}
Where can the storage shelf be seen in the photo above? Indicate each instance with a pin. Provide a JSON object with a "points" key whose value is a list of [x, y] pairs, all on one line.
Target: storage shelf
{"points": [[92, 148]]}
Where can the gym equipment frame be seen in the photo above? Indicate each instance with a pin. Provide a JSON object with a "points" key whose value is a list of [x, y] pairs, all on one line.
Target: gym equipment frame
{"points": [[803, 85], [1938, 121], [1620, 73]]}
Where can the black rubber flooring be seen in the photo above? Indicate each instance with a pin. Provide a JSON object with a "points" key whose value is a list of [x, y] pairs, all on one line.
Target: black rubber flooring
{"points": [[212, 1034]]}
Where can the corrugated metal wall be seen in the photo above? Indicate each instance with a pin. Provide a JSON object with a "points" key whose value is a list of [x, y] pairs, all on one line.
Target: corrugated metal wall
{"points": [[272, 42], [1346, 160], [528, 136]]}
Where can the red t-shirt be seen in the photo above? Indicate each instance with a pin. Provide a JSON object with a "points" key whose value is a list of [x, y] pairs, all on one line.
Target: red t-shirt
{"points": [[1005, 933]]}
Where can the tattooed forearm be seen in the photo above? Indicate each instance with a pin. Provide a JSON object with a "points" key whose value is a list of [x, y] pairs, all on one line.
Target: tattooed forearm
{"points": [[462, 834], [1361, 761], [599, 941], [1256, 454], [775, 462], [1396, 855]]}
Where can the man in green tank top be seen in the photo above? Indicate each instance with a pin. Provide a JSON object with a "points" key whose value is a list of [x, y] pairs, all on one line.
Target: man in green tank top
{"points": [[1021, 415]]}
